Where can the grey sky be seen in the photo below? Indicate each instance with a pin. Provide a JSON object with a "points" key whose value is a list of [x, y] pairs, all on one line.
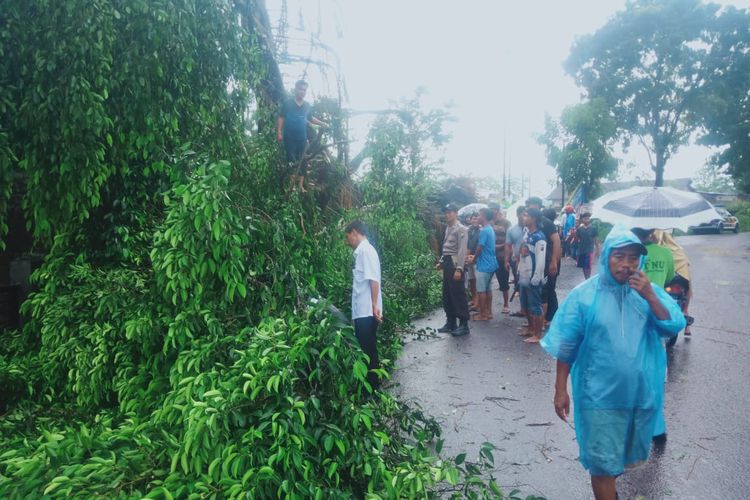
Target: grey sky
{"points": [[498, 62]]}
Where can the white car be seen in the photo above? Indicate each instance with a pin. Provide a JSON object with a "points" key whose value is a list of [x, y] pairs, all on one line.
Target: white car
{"points": [[728, 222]]}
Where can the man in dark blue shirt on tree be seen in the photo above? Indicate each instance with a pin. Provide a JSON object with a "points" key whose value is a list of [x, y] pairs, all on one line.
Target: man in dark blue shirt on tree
{"points": [[291, 128]]}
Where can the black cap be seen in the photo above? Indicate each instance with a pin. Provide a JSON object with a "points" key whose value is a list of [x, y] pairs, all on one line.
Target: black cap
{"points": [[641, 248], [534, 200], [641, 232], [450, 207]]}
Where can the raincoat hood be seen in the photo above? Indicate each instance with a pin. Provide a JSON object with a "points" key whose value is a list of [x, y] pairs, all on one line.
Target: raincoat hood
{"points": [[620, 236]]}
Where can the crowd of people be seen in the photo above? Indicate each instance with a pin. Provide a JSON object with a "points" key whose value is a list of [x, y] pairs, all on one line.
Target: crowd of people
{"points": [[489, 247], [609, 334]]}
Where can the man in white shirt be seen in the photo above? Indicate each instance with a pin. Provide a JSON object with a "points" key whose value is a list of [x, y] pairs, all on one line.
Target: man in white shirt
{"points": [[367, 301]]}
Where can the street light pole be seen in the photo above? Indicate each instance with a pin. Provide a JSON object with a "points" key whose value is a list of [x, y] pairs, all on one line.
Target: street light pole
{"points": [[562, 184]]}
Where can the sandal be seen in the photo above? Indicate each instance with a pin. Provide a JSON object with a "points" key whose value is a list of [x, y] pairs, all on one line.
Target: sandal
{"points": [[506, 310], [524, 332]]}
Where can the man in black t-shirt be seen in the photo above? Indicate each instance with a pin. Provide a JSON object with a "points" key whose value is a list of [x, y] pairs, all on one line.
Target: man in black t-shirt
{"points": [[552, 259]]}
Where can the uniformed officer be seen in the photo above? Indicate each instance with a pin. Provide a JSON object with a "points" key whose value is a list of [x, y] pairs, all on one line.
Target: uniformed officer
{"points": [[452, 262]]}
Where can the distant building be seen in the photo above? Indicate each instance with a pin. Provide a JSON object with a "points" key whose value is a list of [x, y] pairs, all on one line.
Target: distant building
{"points": [[723, 198]]}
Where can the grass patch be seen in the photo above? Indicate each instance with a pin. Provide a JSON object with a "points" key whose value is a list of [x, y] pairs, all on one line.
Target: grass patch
{"points": [[741, 210]]}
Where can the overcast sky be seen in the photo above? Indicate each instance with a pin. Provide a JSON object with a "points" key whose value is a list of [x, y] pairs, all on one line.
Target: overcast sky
{"points": [[498, 62]]}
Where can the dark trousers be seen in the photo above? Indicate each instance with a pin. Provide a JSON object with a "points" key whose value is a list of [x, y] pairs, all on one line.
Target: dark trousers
{"points": [[503, 276], [549, 297], [295, 150], [365, 329], [454, 294]]}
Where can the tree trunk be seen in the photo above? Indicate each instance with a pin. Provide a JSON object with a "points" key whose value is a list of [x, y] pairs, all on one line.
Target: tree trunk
{"points": [[659, 169], [562, 184]]}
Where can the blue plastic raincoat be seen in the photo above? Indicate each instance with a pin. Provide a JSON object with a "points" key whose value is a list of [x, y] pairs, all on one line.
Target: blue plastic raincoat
{"points": [[614, 344]]}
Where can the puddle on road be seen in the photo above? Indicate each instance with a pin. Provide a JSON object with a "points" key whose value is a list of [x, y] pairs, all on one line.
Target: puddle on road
{"points": [[726, 283]]}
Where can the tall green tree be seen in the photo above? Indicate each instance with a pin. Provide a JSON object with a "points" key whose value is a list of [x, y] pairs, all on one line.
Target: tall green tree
{"points": [[647, 64], [403, 148], [579, 146], [170, 347], [724, 112], [713, 179]]}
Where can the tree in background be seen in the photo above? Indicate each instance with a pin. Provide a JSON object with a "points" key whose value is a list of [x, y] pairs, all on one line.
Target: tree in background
{"points": [[579, 146], [647, 64], [711, 178], [403, 149], [724, 112], [401, 156]]}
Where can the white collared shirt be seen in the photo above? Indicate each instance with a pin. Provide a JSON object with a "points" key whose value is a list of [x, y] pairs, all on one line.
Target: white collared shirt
{"points": [[366, 268]]}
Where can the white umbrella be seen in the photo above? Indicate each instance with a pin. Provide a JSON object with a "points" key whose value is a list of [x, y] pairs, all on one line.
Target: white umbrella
{"points": [[510, 212], [470, 208], [654, 208]]}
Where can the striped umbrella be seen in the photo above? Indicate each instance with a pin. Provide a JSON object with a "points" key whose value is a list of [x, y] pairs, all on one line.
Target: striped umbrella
{"points": [[654, 208]]}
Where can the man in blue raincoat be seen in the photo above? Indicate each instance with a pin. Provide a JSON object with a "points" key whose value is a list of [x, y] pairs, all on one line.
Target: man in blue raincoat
{"points": [[607, 335]]}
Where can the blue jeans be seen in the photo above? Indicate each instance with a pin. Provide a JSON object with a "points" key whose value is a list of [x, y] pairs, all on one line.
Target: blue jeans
{"points": [[531, 299]]}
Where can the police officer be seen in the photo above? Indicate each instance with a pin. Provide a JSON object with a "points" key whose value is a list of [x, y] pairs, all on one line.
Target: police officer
{"points": [[452, 262]]}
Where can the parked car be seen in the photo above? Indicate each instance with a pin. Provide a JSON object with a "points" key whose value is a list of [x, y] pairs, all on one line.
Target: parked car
{"points": [[728, 222]]}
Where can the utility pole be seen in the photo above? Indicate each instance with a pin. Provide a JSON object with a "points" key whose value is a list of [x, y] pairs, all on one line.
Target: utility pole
{"points": [[509, 167], [510, 181], [282, 41], [504, 151]]}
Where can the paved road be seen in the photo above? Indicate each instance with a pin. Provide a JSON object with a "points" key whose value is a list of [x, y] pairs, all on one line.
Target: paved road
{"points": [[490, 386]]}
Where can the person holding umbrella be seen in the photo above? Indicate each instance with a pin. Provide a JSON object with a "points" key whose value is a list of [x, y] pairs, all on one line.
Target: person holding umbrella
{"points": [[681, 269], [659, 265]]}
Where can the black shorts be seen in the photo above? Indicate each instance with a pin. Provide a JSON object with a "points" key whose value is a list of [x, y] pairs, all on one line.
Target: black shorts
{"points": [[295, 149], [584, 260], [503, 277]]}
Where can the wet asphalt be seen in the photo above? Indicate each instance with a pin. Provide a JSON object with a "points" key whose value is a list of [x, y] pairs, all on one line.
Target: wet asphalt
{"points": [[491, 386]]}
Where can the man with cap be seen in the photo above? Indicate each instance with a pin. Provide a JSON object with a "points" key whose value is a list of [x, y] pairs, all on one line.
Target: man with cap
{"points": [[452, 263], [607, 337], [553, 238], [553, 256]]}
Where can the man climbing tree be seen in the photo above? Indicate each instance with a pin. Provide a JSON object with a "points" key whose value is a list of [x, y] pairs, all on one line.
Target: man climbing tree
{"points": [[291, 129]]}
